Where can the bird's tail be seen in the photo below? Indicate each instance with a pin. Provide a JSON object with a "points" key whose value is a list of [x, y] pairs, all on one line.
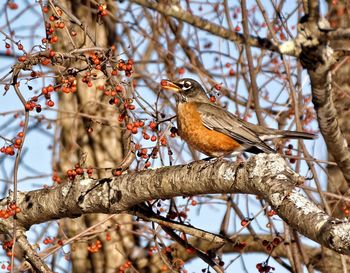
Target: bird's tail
{"points": [[296, 134], [287, 134]]}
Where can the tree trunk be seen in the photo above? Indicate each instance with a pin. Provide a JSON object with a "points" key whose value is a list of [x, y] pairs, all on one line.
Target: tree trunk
{"points": [[101, 148], [339, 18]]}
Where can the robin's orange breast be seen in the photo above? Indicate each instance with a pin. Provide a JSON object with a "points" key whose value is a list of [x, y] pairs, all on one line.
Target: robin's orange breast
{"points": [[192, 130]]}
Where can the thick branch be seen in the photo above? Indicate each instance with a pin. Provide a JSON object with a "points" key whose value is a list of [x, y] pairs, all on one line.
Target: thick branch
{"points": [[327, 120], [318, 58], [265, 175], [321, 85]]}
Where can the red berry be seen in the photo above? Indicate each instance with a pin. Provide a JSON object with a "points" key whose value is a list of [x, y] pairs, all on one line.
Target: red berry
{"points": [[147, 164], [129, 126], [245, 222], [217, 87], [276, 241], [164, 83], [117, 172], [22, 58], [50, 103], [153, 125], [181, 70], [134, 130], [18, 141], [9, 150]]}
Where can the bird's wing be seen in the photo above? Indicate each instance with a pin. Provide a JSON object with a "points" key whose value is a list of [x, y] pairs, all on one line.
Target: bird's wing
{"points": [[218, 119]]}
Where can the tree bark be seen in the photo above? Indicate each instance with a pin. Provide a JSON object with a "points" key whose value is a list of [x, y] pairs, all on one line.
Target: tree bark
{"points": [[103, 148]]}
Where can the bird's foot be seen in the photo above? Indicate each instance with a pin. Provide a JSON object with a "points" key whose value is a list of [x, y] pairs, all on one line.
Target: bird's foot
{"points": [[209, 158]]}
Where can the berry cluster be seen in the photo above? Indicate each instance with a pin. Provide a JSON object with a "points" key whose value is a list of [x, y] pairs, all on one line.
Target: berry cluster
{"points": [[270, 245], [87, 78], [95, 247], [133, 127], [124, 267], [112, 92], [16, 144], [49, 240], [55, 23], [19, 46], [7, 247], [46, 92], [52, 240], [128, 104], [68, 84], [231, 71], [125, 66], [346, 209], [32, 104], [102, 11], [289, 152], [8, 267], [96, 59], [56, 178], [72, 173], [10, 211]]}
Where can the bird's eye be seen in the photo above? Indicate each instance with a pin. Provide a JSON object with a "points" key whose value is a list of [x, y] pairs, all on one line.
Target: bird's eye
{"points": [[187, 85]]}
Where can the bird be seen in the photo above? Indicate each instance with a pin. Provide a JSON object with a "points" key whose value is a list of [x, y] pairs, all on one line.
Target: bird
{"points": [[214, 131]]}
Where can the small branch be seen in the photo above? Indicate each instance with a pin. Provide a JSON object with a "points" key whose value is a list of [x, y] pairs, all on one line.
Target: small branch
{"points": [[200, 23], [252, 74], [197, 252], [313, 10], [149, 215]]}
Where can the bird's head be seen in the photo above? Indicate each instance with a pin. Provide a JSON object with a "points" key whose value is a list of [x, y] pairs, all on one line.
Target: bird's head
{"points": [[186, 90]]}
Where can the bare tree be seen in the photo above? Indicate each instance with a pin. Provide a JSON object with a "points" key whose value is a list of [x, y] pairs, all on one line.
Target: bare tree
{"points": [[124, 185]]}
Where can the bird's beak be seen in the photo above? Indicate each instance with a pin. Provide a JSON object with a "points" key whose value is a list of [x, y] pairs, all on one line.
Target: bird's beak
{"points": [[169, 85]]}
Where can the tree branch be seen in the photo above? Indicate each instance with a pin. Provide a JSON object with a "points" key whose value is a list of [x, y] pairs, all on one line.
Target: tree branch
{"points": [[200, 23], [318, 58], [265, 175], [6, 226]]}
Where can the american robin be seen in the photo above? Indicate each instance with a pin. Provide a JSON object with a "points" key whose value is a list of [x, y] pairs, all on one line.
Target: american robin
{"points": [[213, 130]]}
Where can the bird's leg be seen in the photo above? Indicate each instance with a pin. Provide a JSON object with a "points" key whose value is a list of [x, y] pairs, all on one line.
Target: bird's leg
{"points": [[208, 158]]}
